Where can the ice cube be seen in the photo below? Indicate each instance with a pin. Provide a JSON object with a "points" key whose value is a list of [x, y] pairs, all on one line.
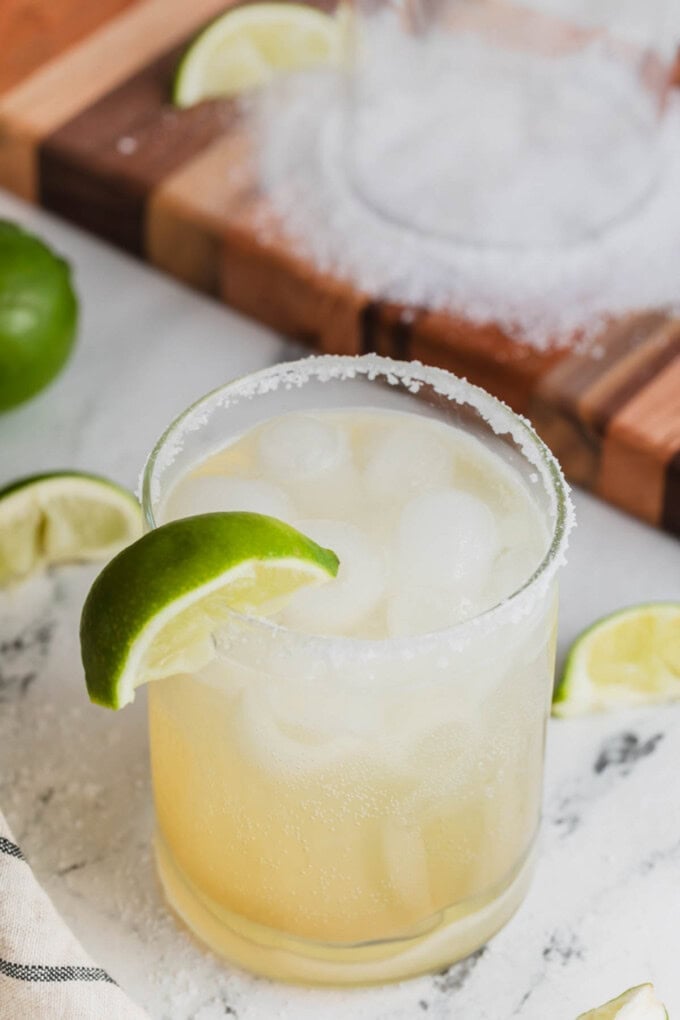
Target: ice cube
{"points": [[345, 602], [312, 459], [209, 493], [406, 460], [302, 447], [423, 610], [446, 539], [284, 746]]}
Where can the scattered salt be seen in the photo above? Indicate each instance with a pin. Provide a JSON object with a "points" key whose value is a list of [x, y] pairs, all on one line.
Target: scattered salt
{"points": [[127, 145]]}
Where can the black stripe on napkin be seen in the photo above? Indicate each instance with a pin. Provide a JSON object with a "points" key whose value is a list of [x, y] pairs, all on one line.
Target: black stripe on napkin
{"points": [[7, 847], [38, 972]]}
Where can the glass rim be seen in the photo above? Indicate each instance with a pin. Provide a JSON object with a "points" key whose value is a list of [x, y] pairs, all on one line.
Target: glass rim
{"points": [[413, 375]]}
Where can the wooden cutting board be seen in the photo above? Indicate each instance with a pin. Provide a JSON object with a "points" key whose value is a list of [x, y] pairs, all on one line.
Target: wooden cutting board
{"points": [[87, 131]]}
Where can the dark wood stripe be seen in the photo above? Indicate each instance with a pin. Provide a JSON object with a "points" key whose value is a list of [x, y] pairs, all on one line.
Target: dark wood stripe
{"points": [[41, 973], [658, 358], [368, 325], [391, 328], [10, 848], [402, 331], [670, 514], [98, 169], [33, 33]]}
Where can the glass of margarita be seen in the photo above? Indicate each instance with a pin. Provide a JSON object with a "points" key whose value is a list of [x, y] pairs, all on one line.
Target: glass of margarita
{"points": [[350, 791]]}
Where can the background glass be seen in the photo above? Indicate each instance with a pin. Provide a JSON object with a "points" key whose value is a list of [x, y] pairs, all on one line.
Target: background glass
{"points": [[506, 124]]}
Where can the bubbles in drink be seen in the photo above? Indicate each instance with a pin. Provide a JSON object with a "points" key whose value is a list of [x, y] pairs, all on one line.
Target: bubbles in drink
{"points": [[345, 603], [405, 860], [205, 494], [447, 539], [422, 609]]}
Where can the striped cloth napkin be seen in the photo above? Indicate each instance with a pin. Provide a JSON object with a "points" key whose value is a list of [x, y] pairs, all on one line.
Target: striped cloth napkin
{"points": [[45, 974]]}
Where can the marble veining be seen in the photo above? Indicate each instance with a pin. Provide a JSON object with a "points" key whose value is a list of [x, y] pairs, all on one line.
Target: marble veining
{"points": [[624, 750], [74, 779]]}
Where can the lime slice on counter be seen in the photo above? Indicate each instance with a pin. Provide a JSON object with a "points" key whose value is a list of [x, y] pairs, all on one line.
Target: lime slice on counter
{"points": [[246, 46], [638, 1003], [62, 517], [629, 658], [154, 608]]}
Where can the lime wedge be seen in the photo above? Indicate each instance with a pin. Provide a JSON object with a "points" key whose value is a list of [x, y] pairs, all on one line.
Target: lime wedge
{"points": [[61, 517], [629, 658], [154, 608], [246, 46], [638, 1003]]}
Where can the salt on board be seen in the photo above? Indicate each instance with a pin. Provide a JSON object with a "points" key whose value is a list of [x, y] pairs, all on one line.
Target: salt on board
{"points": [[543, 295]]}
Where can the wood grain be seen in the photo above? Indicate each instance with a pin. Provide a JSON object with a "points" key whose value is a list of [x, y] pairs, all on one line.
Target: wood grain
{"points": [[484, 353], [642, 439], [78, 78], [33, 32], [101, 167], [612, 413], [262, 278], [187, 212]]}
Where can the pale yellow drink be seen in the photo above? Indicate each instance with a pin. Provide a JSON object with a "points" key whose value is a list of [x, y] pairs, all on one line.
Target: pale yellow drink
{"points": [[341, 796]]}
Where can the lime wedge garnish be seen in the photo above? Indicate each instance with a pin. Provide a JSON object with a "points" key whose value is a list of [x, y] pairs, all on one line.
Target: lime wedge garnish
{"points": [[638, 1003], [629, 658], [61, 517], [248, 45], [154, 608]]}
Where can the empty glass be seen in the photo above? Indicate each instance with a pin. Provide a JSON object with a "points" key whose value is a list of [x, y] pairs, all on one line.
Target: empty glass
{"points": [[498, 123]]}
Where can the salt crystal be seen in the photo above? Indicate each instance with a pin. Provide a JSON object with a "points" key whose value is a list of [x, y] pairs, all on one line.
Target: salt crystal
{"points": [[127, 145]]}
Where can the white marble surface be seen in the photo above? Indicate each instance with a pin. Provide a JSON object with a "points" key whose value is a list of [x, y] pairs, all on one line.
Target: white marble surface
{"points": [[603, 911]]}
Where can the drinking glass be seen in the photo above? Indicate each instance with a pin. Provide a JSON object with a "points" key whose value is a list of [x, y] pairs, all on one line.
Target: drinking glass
{"points": [[344, 810], [497, 123]]}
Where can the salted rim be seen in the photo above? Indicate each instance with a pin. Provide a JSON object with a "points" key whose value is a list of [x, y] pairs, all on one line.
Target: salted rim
{"points": [[413, 376]]}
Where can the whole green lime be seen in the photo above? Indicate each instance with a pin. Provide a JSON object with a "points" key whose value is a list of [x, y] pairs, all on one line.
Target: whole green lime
{"points": [[38, 314]]}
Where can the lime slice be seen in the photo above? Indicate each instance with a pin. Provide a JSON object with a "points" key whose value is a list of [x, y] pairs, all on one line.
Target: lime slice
{"points": [[60, 517], [638, 1003], [154, 608], [629, 658], [245, 47]]}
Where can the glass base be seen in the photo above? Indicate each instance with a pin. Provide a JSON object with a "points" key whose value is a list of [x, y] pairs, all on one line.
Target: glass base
{"points": [[452, 935]]}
